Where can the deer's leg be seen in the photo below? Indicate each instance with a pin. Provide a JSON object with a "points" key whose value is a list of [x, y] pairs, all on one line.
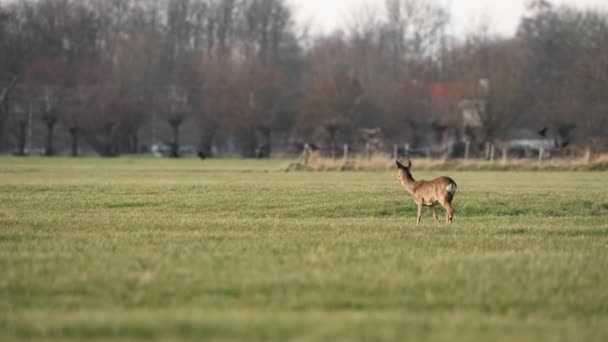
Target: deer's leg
{"points": [[419, 214], [449, 213], [435, 215]]}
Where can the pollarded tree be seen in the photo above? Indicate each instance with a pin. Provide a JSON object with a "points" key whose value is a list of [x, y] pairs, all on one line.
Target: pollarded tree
{"points": [[255, 90], [72, 118], [333, 106], [553, 39], [216, 101], [20, 119], [5, 93], [44, 82], [587, 109], [401, 106], [492, 85], [13, 42], [173, 105]]}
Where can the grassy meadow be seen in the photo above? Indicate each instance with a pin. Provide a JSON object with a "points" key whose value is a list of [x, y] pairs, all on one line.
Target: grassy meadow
{"points": [[156, 249]]}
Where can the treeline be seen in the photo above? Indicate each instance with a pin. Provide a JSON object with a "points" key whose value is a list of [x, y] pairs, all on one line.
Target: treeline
{"points": [[118, 75]]}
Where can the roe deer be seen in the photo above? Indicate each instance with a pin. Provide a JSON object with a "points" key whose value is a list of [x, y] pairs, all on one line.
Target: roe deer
{"points": [[428, 193]]}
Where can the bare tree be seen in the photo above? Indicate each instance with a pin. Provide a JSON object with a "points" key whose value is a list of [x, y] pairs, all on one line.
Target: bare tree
{"points": [[493, 82], [20, 120], [44, 80], [414, 31], [255, 90], [588, 108], [264, 26], [216, 100], [401, 106], [332, 106], [175, 104], [5, 93], [555, 41]]}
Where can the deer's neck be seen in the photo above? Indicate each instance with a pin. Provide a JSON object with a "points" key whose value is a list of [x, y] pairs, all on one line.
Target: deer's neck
{"points": [[408, 182]]}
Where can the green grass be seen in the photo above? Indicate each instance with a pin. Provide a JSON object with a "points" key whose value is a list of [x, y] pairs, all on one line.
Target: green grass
{"points": [[143, 249]]}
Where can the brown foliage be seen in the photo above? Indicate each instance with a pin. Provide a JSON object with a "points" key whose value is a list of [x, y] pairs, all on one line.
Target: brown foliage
{"points": [[331, 107]]}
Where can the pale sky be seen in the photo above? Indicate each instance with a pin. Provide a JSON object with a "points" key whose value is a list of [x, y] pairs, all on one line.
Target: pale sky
{"points": [[502, 16]]}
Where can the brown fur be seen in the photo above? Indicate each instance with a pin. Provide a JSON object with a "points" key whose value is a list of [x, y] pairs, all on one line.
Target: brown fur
{"points": [[428, 193]]}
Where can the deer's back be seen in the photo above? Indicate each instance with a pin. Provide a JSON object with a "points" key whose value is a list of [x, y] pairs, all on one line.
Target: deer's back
{"points": [[435, 191]]}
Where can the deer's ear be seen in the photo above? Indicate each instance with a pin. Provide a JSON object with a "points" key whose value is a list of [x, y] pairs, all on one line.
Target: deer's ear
{"points": [[409, 164], [399, 165]]}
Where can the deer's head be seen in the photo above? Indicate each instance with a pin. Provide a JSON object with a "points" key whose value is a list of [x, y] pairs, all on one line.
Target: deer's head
{"points": [[403, 172]]}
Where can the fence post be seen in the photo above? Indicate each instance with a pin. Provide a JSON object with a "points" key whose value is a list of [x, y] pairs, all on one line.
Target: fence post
{"points": [[467, 149], [487, 151], [505, 152], [588, 155], [407, 151], [541, 155], [306, 154], [492, 153], [333, 150], [345, 153], [395, 152]]}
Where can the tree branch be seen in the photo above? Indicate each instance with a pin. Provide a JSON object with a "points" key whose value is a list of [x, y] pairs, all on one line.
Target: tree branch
{"points": [[6, 91]]}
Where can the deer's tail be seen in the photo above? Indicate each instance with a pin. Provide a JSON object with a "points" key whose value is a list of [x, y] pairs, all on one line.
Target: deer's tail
{"points": [[451, 189]]}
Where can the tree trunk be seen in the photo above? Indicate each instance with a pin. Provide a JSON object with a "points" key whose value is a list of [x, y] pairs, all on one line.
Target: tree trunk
{"points": [[135, 143], [104, 140], [49, 150], [74, 131], [21, 137], [2, 125], [4, 108], [174, 153], [247, 141], [131, 142], [206, 146], [264, 149]]}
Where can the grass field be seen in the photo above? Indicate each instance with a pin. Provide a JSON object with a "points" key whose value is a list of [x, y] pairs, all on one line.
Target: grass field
{"points": [[141, 249]]}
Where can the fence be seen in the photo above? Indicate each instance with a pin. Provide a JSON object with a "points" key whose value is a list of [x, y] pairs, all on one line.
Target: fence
{"points": [[366, 159]]}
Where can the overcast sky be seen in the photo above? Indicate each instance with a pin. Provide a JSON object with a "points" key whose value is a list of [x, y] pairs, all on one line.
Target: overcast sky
{"points": [[501, 15]]}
